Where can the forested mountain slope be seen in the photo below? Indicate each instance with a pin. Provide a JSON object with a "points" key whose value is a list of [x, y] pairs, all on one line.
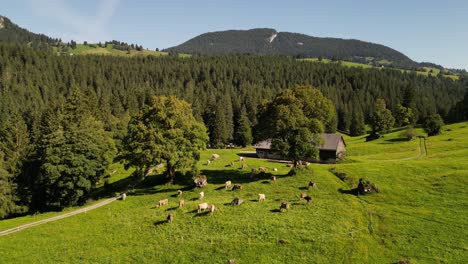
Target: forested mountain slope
{"points": [[219, 88], [12, 33], [270, 42]]}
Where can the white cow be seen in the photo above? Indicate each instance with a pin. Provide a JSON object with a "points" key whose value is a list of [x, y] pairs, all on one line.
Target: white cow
{"points": [[201, 195], [261, 197], [202, 206]]}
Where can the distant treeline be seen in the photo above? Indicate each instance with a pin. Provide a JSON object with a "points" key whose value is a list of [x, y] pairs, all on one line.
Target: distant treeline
{"points": [[32, 80]]}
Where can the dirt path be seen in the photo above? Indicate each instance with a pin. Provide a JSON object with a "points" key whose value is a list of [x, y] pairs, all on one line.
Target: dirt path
{"points": [[58, 217]]}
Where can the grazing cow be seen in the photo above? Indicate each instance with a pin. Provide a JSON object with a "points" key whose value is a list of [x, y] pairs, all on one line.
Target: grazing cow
{"points": [[262, 169], [179, 193], [254, 170], [241, 159], [273, 178], [163, 202], [285, 206], [208, 162], [308, 199], [261, 197], [303, 195], [231, 261], [201, 195], [214, 156], [237, 187], [237, 201], [123, 196], [212, 208], [275, 169], [227, 184], [202, 206], [181, 203], [170, 217], [244, 166], [311, 185]]}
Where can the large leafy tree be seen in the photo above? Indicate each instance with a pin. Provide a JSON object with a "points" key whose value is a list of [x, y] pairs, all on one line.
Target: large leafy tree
{"points": [[294, 120], [164, 133], [433, 125], [74, 153], [382, 119]]}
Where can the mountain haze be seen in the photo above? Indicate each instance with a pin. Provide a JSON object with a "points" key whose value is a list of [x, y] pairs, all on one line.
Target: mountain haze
{"points": [[266, 41]]}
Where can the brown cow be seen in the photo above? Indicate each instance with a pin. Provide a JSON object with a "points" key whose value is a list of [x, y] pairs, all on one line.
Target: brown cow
{"points": [[163, 202], [237, 187], [273, 178], [181, 203], [170, 217], [244, 166], [311, 185], [227, 184], [303, 195], [285, 206]]}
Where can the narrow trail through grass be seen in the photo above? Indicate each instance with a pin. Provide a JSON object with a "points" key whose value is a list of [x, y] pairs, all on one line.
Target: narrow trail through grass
{"points": [[59, 217]]}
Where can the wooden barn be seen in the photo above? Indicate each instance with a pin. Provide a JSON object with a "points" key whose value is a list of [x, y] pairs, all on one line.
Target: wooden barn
{"points": [[332, 150]]}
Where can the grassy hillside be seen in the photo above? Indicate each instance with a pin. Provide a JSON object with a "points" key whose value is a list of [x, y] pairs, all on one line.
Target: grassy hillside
{"points": [[92, 49], [419, 215], [426, 71]]}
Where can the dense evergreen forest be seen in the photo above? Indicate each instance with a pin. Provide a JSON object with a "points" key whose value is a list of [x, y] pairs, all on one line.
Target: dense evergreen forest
{"points": [[41, 95], [266, 41]]}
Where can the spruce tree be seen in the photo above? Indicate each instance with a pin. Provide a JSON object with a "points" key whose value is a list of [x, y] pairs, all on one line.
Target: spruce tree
{"points": [[74, 153], [358, 126], [243, 135]]}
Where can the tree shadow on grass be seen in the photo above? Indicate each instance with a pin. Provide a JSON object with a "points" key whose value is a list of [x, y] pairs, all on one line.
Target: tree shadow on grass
{"points": [[352, 191], [236, 176], [162, 222], [397, 140], [202, 214], [110, 190], [172, 208]]}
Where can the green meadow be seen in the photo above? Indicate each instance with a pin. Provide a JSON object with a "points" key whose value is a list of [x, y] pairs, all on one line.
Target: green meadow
{"points": [[419, 215], [428, 71]]}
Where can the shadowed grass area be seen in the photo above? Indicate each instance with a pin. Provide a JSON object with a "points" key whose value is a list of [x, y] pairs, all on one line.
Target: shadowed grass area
{"points": [[420, 213]]}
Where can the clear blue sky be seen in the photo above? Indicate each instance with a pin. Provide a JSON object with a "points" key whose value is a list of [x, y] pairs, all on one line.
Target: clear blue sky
{"points": [[429, 30]]}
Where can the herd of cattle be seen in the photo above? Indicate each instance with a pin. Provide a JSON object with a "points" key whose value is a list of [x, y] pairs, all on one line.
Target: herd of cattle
{"points": [[203, 207]]}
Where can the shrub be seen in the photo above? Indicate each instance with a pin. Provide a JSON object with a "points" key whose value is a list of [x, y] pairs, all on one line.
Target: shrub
{"points": [[410, 133], [433, 125]]}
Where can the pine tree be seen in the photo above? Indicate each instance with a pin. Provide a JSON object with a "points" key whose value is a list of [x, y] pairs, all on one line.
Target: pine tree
{"points": [[358, 126], [74, 152], [243, 135]]}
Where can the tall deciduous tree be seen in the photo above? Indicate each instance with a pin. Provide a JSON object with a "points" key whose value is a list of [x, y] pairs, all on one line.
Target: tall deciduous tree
{"points": [[164, 133], [294, 120], [433, 125], [382, 119]]}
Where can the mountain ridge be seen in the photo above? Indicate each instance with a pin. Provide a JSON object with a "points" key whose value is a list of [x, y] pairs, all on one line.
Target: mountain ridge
{"points": [[268, 41]]}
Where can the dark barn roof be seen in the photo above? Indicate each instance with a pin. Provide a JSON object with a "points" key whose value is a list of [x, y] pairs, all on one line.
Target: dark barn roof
{"points": [[330, 142]]}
